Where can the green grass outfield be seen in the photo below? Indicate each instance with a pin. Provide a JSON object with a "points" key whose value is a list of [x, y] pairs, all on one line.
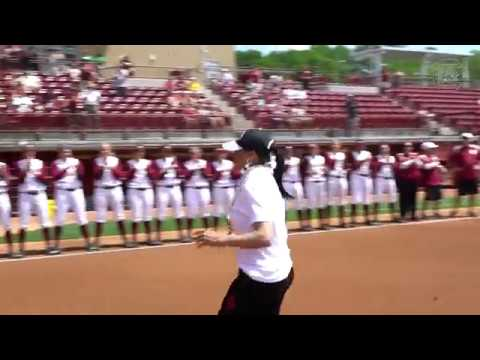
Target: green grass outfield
{"points": [[72, 231]]}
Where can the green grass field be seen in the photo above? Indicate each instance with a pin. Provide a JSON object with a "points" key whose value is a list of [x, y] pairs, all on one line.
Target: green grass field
{"points": [[72, 231]]}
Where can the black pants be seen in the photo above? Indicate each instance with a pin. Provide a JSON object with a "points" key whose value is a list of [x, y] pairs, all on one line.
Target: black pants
{"points": [[408, 197], [249, 297]]}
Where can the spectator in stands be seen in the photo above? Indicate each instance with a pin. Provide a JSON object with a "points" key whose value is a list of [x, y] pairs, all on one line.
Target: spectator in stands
{"points": [[170, 84], [227, 77], [125, 63], [91, 97], [175, 100], [305, 77], [29, 82], [21, 102], [194, 85], [88, 74], [397, 79], [255, 75], [119, 82], [352, 115], [191, 117], [75, 72]]}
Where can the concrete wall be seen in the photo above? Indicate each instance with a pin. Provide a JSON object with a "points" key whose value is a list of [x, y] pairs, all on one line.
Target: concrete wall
{"points": [[170, 55]]}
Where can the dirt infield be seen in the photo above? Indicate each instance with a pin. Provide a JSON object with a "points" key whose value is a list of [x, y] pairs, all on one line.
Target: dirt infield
{"points": [[420, 268]]}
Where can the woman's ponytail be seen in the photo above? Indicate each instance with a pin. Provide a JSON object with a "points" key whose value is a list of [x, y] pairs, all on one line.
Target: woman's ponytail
{"points": [[279, 170]]}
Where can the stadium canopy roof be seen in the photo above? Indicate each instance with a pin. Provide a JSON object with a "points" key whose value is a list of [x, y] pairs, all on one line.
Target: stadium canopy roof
{"points": [[428, 57], [406, 51]]}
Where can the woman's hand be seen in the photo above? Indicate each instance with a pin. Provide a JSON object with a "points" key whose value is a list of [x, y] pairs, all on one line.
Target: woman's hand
{"points": [[210, 238]]}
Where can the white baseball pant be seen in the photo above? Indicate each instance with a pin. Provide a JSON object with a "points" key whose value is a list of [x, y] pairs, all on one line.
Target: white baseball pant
{"points": [[5, 211], [141, 204], [362, 189], [337, 191], [105, 198], [169, 196], [223, 199], [296, 190], [197, 201], [386, 187], [316, 194], [70, 200], [27, 203]]}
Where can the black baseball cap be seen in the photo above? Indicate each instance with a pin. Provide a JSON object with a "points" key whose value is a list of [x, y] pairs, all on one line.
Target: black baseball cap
{"points": [[251, 140]]}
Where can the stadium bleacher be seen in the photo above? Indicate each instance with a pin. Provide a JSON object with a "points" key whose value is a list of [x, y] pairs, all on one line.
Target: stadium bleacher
{"points": [[459, 107], [143, 107], [323, 109]]}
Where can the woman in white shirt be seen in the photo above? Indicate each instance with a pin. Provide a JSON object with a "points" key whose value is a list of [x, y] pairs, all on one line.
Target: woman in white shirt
{"points": [[259, 230]]}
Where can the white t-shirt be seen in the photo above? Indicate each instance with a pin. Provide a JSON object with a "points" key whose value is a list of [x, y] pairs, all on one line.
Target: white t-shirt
{"points": [[23, 103], [92, 97], [258, 199]]}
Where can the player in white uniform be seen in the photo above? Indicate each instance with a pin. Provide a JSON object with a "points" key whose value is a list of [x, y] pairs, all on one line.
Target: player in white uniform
{"points": [[5, 207], [197, 189], [168, 173], [337, 181], [223, 184], [32, 185], [67, 173], [384, 184], [292, 183], [314, 170], [140, 193], [361, 184], [108, 174]]}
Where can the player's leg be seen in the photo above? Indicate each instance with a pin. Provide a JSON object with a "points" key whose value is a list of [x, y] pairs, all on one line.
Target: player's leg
{"points": [[135, 204], [63, 206], [101, 206], [116, 199], [426, 200], [162, 200], [473, 198], [379, 191], [80, 210], [322, 203], [332, 198], [309, 195], [5, 219], [367, 199], [392, 198], [413, 200], [192, 202], [147, 210], [41, 206], [356, 191], [25, 210], [343, 200], [177, 204], [403, 199], [437, 203], [204, 202], [299, 205], [218, 207], [458, 198]]}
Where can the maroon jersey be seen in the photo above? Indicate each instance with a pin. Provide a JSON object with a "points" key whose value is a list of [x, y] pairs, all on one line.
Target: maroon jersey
{"points": [[465, 160], [431, 170], [408, 167]]}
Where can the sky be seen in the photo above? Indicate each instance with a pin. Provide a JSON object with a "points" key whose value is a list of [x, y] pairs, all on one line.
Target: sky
{"points": [[460, 49]]}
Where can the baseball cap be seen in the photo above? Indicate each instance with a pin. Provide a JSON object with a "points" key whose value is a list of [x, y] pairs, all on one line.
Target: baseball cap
{"points": [[429, 145], [467, 136], [251, 140]]}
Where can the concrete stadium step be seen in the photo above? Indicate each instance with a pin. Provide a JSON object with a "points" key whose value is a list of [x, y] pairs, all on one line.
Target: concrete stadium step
{"points": [[146, 82], [238, 120]]}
